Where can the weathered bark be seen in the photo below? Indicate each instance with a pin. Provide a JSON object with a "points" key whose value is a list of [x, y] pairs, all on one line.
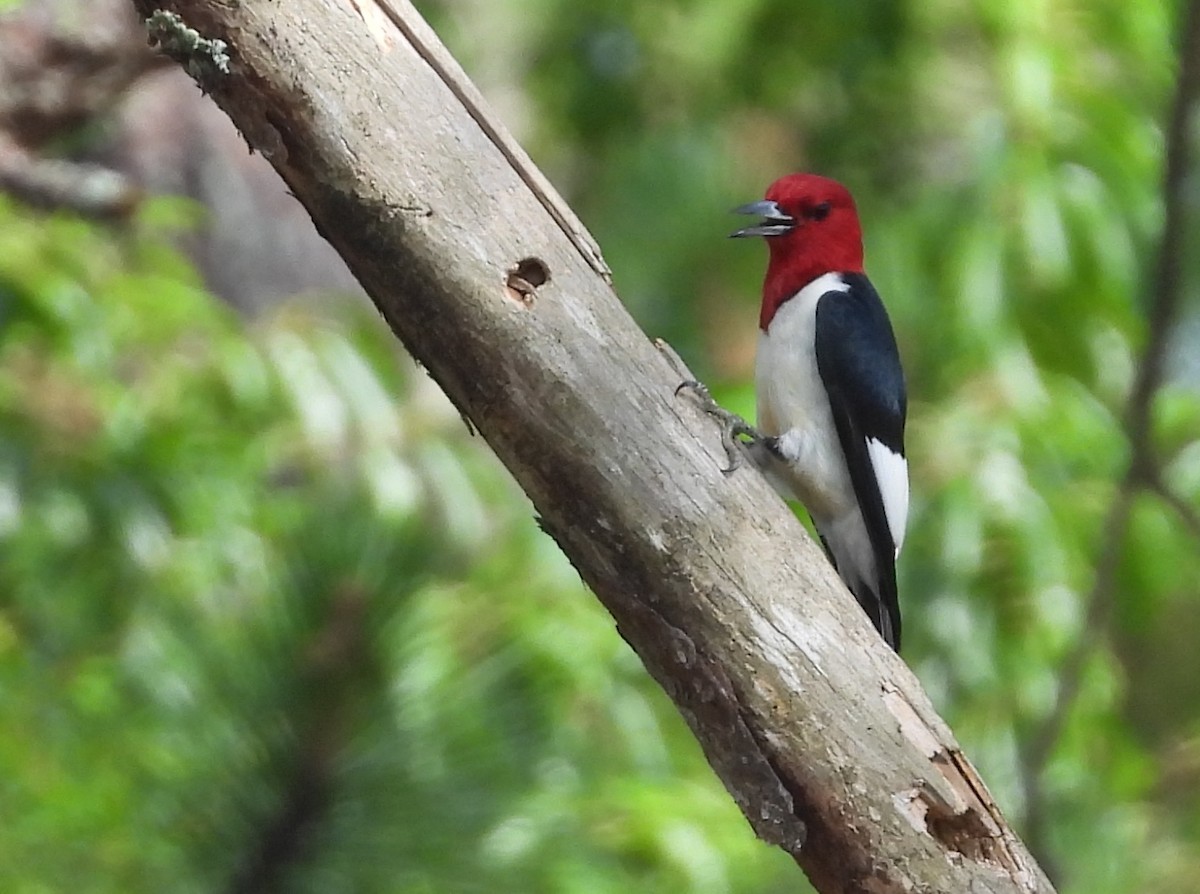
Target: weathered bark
{"points": [[823, 737]]}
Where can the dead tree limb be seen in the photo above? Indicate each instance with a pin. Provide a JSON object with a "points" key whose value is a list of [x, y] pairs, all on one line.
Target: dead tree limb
{"points": [[823, 737]]}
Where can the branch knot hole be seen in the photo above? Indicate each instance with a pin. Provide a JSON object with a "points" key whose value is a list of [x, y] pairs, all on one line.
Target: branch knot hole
{"points": [[524, 278]]}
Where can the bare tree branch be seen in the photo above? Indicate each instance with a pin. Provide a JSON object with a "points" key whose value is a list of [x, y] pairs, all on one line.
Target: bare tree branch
{"points": [[1167, 285], [1144, 470], [1184, 510], [87, 189], [821, 734]]}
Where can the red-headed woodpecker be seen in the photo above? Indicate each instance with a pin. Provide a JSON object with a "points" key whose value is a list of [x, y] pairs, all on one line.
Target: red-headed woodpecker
{"points": [[831, 396]]}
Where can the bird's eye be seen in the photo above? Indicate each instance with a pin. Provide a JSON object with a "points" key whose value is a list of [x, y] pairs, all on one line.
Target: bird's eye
{"points": [[819, 212]]}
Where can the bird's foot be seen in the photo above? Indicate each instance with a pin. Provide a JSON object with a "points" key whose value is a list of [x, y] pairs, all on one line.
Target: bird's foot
{"points": [[733, 427]]}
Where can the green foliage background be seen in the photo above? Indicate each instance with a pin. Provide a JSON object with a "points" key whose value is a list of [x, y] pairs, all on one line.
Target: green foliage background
{"points": [[271, 620]]}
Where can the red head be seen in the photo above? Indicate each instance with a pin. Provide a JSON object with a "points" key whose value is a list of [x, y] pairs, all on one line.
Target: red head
{"points": [[811, 228]]}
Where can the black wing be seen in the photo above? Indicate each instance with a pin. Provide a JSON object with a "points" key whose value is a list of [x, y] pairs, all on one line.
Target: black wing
{"points": [[860, 369]]}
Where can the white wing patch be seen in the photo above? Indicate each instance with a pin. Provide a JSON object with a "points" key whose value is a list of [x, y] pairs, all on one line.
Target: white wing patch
{"points": [[891, 472]]}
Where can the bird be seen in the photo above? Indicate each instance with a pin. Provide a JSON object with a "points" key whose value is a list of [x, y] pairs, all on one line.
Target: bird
{"points": [[830, 389]]}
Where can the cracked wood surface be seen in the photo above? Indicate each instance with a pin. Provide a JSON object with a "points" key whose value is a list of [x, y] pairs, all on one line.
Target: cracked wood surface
{"points": [[822, 736]]}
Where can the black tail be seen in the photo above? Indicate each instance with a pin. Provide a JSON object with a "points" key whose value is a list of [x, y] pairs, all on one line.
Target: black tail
{"points": [[883, 608]]}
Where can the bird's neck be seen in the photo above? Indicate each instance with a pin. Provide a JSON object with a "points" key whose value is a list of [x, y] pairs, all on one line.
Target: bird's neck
{"points": [[788, 273]]}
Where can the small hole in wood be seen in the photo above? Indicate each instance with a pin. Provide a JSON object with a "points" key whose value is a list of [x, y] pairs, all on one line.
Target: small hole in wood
{"points": [[525, 277]]}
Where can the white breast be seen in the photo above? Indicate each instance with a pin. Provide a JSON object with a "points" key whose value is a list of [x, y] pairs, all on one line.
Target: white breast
{"points": [[793, 405]]}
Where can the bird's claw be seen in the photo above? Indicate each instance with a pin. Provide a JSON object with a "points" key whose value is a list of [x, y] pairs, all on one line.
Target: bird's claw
{"points": [[733, 426]]}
